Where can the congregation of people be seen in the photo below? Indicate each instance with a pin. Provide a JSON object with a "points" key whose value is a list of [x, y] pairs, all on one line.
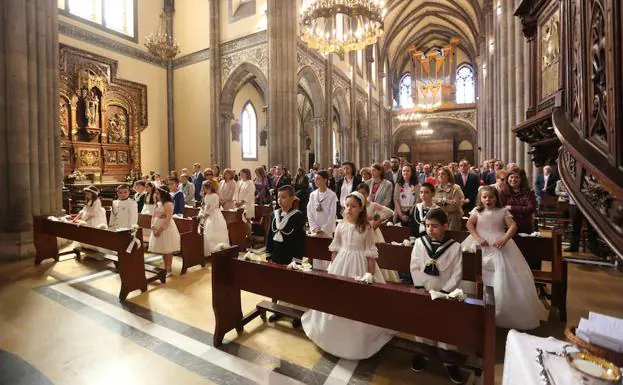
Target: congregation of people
{"points": [[350, 205]]}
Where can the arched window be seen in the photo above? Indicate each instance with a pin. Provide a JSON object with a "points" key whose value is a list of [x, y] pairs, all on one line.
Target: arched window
{"points": [[116, 16], [465, 91], [405, 99], [248, 126]]}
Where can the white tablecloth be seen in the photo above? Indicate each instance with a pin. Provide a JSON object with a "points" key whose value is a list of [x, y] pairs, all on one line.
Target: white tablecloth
{"points": [[520, 361]]}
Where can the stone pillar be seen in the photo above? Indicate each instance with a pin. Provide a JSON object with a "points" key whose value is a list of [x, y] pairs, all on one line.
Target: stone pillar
{"points": [[489, 148], [326, 133], [30, 165], [318, 128], [519, 88], [353, 111], [282, 82], [218, 131], [169, 10], [513, 79], [504, 79]]}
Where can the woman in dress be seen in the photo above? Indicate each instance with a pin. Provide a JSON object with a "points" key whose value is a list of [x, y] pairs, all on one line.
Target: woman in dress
{"points": [[353, 255], [164, 238], [227, 190], [449, 196], [406, 194], [520, 200], [347, 185], [245, 194], [517, 304], [262, 187], [211, 218]]}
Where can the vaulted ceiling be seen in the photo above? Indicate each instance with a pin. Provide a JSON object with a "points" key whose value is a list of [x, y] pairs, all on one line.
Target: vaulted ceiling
{"points": [[429, 23]]}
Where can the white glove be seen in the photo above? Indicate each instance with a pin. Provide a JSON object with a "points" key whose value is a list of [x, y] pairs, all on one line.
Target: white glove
{"points": [[293, 266], [367, 278]]}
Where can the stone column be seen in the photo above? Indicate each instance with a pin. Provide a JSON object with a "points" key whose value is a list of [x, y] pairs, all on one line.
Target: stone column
{"points": [[169, 9], [282, 82], [353, 110], [519, 89], [30, 166], [326, 133], [489, 148], [513, 79], [218, 131], [318, 128], [505, 78]]}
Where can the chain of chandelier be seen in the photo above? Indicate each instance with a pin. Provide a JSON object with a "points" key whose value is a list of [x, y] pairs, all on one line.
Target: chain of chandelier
{"points": [[339, 26]]}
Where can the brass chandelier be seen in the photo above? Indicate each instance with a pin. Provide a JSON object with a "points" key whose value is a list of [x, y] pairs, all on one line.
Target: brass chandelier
{"points": [[341, 25], [160, 43]]}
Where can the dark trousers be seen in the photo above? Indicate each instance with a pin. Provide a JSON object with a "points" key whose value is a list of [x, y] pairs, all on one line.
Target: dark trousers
{"points": [[577, 218]]}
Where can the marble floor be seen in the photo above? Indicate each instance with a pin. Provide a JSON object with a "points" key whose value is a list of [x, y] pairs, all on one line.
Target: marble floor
{"points": [[61, 323]]}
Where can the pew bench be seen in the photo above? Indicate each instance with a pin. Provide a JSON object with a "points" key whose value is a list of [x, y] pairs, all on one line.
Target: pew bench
{"points": [[130, 265], [191, 243], [470, 325], [237, 228]]}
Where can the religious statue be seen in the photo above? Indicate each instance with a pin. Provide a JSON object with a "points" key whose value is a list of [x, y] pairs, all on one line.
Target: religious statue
{"points": [[117, 129], [93, 109], [82, 119], [63, 119]]}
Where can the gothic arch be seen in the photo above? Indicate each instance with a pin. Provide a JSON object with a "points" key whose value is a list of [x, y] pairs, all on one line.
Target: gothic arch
{"points": [[244, 73], [315, 89]]}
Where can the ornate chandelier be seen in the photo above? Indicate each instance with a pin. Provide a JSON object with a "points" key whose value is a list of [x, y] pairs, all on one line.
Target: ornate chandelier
{"points": [[160, 44], [341, 25]]}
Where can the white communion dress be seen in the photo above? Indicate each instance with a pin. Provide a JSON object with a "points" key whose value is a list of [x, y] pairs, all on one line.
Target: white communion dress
{"points": [[169, 239], [336, 335], [214, 225], [376, 211], [517, 304]]}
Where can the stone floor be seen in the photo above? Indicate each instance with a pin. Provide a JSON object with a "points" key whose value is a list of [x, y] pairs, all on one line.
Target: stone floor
{"points": [[61, 323]]}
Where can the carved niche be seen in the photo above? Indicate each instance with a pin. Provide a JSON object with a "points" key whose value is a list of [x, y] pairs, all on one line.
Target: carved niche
{"points": [[101, 117]]}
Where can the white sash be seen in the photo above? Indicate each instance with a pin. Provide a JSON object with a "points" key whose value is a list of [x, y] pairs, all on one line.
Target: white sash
{"points": [[280, 224]]}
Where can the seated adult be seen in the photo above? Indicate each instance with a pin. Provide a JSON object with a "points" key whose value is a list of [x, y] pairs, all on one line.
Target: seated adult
{"points": [[381, 190], [520, 200], [449, 196]]}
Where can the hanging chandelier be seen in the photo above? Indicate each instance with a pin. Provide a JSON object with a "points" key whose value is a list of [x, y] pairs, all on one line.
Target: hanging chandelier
{"points": [[341, 25], [160, 43]]}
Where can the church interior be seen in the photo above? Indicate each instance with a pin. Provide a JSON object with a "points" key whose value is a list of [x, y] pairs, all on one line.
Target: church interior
{"points": [[299, 103]]}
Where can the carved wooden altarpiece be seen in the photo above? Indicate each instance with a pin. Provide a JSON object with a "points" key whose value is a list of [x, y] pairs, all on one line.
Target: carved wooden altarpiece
{"points": [[101, 116]]}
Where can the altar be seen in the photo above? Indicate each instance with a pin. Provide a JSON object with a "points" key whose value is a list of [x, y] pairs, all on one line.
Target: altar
{"points": [[101, 117]]}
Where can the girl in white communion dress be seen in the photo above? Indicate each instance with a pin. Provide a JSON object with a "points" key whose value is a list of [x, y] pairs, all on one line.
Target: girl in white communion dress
{"points": [[517, 304]]}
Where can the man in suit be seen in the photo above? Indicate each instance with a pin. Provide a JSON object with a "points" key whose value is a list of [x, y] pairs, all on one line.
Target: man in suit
{"points": [[469, 183], [394, 170], [545, 184], [279, 180], [197, 178], [488, 174]]}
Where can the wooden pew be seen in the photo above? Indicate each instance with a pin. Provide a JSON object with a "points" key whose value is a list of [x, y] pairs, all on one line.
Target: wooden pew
{"points": [[261, 220], [190, 212], [237, 228], [130, 266], [394, 233], [191, 243], [470, 325]]}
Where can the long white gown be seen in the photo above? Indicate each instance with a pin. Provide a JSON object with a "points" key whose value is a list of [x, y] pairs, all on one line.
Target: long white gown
{"points": [[169, 239], [336, 335], [245, 191], [214, 225], [517, 304]]}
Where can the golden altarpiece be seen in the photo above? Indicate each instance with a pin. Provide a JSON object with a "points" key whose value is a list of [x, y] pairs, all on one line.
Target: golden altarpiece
{"points": [[101, 117]]}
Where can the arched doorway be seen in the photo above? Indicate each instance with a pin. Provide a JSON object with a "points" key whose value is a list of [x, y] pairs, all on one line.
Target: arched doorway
{"points": [[446, 141]]}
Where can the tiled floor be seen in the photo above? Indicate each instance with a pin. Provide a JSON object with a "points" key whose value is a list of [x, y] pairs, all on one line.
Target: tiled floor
{"points": [[62, 323]]}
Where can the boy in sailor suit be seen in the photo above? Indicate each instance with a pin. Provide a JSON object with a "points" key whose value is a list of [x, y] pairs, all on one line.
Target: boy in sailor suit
{"points": [[124, 212], [285, 240], [437, 264]]}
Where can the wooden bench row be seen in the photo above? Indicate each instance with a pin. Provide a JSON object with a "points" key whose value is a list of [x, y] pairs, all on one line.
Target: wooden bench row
{"points": [[470, 325]]}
